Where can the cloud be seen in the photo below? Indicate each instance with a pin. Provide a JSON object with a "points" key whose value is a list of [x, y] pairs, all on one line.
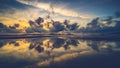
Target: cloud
{"points": [[34, 9], [59, 8], [21, 16], [10, 29], [109, 25], [57, 26], [61, 11], [46, 6]]}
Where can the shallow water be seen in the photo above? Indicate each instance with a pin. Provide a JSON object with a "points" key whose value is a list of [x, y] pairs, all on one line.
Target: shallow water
{"points": [[59, 53]]}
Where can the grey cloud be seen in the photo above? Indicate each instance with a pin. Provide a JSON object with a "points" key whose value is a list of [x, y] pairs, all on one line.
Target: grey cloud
{"points": [[11, 29], [96, 27]]}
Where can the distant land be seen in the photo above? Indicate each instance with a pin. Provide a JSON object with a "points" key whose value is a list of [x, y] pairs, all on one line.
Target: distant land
{"points": [[70, 35]]}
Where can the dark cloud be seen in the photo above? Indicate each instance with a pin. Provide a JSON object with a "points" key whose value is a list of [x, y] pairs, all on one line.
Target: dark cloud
{"points": [[95, 26], [2, 25], [37, 29], [39, 20], [70, 27], [10, 29], [57, 27], [15, 26], [109, 19], [35, 26]]}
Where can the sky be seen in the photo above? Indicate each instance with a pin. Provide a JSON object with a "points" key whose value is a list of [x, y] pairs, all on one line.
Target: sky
{"points": [[80, 11]]}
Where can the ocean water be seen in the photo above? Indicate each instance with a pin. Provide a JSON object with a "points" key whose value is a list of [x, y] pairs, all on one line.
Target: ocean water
{"points": [[59, 52]]}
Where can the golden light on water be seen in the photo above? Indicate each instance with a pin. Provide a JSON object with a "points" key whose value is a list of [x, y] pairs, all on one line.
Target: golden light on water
{"points": [[64, 57], [22, 48], [22, 44], [44, 52]]}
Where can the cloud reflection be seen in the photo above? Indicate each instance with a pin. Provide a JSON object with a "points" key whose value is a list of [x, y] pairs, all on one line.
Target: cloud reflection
{"points": [[45, 51]]}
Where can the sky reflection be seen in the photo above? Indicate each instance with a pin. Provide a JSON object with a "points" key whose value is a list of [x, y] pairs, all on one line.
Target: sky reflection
{"points": [[40, 52]]}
